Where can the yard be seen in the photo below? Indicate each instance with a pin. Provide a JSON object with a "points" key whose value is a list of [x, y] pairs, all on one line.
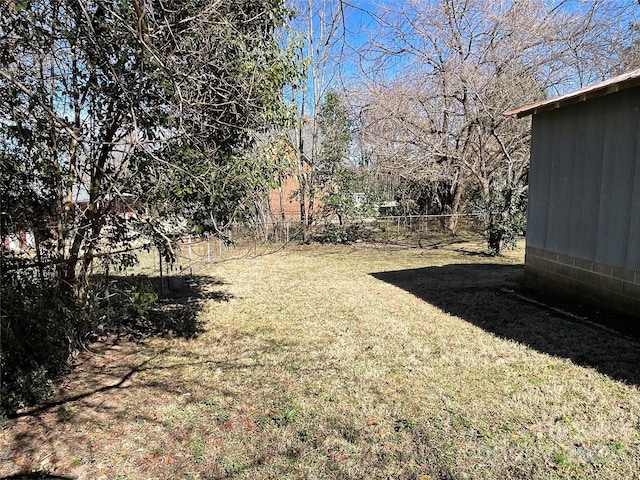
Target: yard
{"points": [[341, 362]]}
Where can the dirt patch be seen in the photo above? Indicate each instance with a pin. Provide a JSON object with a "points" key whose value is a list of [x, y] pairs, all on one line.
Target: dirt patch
{"points": [[44, 437]]}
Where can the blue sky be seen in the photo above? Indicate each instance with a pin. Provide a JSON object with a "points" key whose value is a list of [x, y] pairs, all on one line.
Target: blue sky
{"points": [[362, 24]]}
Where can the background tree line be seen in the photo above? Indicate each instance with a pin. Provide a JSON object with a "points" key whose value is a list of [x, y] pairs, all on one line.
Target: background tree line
{"points": [[427, 83]]}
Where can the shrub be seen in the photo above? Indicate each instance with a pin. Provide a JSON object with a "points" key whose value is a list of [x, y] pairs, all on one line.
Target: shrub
{"points": [[344, 234], [37, 332], [40, 328]]}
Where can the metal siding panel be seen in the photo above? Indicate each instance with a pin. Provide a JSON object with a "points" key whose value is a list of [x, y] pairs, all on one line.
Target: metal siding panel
{"points": [[633, 249], [539, 180], [562, 157], [585, 187], [584, 190], [617, 177]]}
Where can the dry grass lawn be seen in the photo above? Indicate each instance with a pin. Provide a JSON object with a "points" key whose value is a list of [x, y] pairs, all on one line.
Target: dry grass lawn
{"points": [[345, 362]]}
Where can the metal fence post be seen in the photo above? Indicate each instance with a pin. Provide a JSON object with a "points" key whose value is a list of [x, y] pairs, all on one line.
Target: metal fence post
{"points": [[190, 255], [161, 283]]}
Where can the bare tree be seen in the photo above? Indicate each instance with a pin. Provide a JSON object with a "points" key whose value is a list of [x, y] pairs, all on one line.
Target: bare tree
{"points": [[462, 63], [322, 25], [630, 55]]}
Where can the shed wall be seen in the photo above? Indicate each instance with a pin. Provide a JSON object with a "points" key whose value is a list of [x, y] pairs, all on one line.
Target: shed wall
{"points": [[584, 200]]}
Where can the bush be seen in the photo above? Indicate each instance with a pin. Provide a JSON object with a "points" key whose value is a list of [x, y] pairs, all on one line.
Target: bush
{"points": [[40, 329], [37, 332], [343, 234]]}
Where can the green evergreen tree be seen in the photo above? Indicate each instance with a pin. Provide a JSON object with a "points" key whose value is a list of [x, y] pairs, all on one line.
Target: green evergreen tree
{"points": [[153, 105], [335, 178]]}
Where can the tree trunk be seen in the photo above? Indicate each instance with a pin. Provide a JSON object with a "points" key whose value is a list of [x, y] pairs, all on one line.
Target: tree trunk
{"points": [[456, 201], [495, 241]]}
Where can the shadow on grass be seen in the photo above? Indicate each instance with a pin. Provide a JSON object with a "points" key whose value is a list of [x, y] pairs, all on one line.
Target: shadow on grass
{"points": [[476, 293], [174, 313], [47, 406]]}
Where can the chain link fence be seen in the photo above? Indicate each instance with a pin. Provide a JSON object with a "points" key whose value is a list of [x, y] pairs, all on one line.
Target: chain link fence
{"points": [[195, 253], [387, 229]]}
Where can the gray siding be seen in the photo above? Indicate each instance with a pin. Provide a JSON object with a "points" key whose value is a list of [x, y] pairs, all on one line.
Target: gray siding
{"points": [[584, 193], [633, 248]]}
